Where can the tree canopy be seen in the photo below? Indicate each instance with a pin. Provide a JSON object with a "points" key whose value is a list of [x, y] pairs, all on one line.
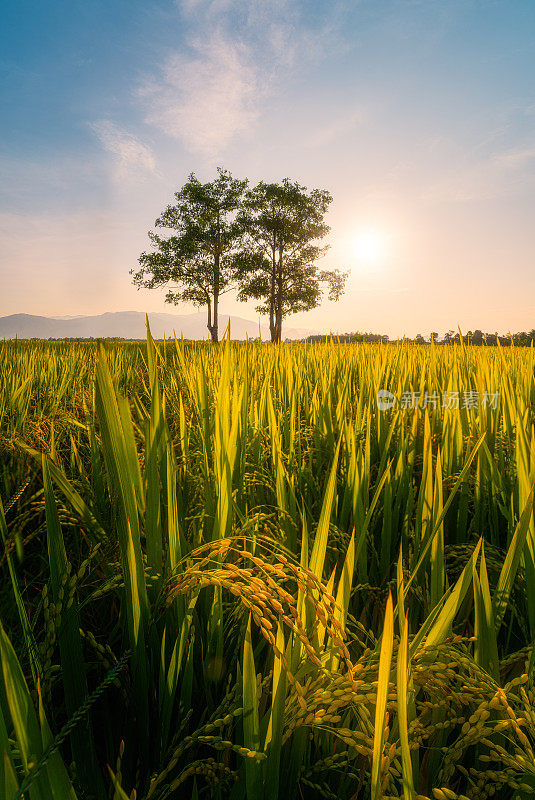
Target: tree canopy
{"points": [[284, 224], [197, 260], [264, 242]]}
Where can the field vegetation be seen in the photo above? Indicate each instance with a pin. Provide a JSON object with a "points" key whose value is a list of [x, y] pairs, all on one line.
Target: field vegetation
{"points": [[227, 574]]}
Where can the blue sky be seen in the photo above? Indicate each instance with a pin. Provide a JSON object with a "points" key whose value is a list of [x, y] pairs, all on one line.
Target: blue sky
{"points": [[417, 115]]}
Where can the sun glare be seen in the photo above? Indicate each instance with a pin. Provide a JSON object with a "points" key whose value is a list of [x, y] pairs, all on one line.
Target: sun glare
{"points": [[370, 246]]}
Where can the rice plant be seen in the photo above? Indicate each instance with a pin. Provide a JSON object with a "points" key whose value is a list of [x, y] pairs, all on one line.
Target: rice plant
{"points": [[229, 574]]}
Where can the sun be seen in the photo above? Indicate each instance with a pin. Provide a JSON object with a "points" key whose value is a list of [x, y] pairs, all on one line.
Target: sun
{"points": [[370, 246]]}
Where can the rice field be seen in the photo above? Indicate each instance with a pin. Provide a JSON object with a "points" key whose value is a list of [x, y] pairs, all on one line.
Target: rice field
{"points": [[228, 573]]}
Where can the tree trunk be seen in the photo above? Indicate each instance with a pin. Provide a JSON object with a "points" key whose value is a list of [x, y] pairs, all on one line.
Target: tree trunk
{"points": [[279, 326], [272, 324], [215, 324], [209, 323], [279, 300]]}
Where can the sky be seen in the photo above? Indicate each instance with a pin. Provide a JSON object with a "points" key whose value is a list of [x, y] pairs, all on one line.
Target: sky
{"points": [[417, 115]]}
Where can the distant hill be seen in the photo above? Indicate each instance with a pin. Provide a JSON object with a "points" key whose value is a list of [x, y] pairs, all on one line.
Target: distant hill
{"points": [[131, 325]]}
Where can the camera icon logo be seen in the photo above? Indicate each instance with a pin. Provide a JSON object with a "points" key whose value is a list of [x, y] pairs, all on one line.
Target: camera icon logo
{"points": [[385, 400]]}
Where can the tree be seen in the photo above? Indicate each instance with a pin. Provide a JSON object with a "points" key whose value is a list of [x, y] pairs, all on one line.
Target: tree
{"points": [[283, 223], [198, 260]]}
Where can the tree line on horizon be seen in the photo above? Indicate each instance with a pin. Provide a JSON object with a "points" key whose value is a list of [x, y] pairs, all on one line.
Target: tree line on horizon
{"points": [[261, 241], [477, 337]]}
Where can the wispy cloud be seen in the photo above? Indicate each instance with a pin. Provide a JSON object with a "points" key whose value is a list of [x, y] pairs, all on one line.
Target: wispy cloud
{"points": [[273, 28], [216, 87], [207, 97], [131, 156]]}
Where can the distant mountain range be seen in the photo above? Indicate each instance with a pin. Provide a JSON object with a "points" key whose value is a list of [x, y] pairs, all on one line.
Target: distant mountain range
{"points": [[131, 325]]}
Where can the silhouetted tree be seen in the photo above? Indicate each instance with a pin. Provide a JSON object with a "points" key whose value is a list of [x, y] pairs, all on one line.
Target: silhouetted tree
{"points": [[198, 260], [284, 223]]}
